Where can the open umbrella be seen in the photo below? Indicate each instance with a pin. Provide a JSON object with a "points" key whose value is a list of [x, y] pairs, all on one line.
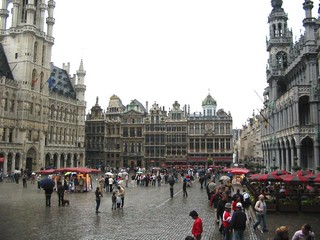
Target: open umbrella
{"points": [[254, 177], [109, 173], [280, 172], [239, 170], [224, 178], [269, 177], [47, 171], [47, 183], [211, 186], [292, 178]]}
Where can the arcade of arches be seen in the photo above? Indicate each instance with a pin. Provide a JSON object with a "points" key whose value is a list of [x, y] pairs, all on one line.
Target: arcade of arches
{"points": [[286, 153], [15, 160]]}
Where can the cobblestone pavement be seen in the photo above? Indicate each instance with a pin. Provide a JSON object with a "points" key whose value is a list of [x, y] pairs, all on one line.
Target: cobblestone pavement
{"points": [[148, 213]]}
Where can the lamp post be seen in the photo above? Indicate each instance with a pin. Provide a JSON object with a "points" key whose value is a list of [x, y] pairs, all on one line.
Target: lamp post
{"points": [[274, 163], [295, 166]]}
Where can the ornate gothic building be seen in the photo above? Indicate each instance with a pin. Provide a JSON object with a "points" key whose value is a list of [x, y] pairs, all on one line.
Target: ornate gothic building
{"points": [[42, 108], [137, 136], [291, 111]]}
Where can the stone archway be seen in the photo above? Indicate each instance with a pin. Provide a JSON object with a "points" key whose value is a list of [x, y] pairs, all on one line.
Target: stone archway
{"points": [[17, 161], [47, 160], [307, 153], [31, 159]]}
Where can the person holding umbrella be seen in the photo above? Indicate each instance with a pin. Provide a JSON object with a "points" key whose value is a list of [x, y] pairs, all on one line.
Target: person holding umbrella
{"points": [[47, 184]]}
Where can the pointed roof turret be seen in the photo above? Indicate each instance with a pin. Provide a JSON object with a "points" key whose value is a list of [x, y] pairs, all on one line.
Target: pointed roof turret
{"points": [[209, 101], [276, 4]]}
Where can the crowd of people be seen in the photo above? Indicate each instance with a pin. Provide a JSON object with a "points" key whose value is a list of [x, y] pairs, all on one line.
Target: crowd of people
{"points": [[231, 203]]}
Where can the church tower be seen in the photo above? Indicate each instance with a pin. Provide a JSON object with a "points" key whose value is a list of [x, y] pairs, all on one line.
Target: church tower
{"points": [[27, 44], [42, 109], [290, 139], [280, 40]]}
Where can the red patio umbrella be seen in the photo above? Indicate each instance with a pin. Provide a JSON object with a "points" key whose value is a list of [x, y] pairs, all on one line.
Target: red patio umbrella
{"points": [[239, 171], [280, 172], [254, 177], [303, 172], [47, 171], [269, 177], [316, 179], [292, 178], [78, 169]]}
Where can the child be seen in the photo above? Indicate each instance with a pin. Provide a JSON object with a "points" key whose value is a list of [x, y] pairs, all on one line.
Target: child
{"points": [[118, 201], [114, 201]]}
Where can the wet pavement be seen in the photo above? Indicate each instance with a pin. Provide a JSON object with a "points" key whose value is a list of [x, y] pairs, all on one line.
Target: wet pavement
{"points": [[148, 213]]}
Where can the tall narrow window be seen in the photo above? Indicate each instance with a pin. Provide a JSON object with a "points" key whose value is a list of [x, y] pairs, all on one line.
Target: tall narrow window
{"points": [[35, 51], [24, 11]]}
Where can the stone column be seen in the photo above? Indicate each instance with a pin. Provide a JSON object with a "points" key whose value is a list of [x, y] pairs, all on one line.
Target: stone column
{"points": [[282, 159], [5, 163], [58, 161], [287, 165], [299, 155], [316, 155], [13, 163]]}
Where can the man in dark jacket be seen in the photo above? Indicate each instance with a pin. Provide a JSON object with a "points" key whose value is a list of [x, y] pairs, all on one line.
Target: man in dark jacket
{"points": [[171, 182], [238, 222], [60, 192], [220, 209]]}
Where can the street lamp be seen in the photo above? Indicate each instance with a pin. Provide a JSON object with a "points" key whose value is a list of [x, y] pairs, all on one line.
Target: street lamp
{"points": [[295, 161], [295, 166], [274, 163]]}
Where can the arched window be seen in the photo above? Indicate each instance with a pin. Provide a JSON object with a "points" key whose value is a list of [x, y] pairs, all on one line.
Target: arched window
{"points": [[281, 60], [34, 78], [43, 54]]}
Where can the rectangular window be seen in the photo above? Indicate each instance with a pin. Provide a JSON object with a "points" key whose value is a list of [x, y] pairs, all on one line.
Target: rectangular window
{"points": [[222, 144], [228, 144], [132, 132], [125, 132]]}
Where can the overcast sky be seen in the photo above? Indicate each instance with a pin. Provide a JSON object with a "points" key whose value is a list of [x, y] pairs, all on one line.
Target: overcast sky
{"points": [[167, 50]]}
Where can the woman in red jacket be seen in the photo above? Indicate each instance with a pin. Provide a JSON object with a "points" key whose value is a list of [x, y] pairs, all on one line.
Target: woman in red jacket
{"points": [[197, 225]]}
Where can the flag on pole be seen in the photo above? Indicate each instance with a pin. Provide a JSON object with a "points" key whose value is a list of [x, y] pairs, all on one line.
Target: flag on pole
{"points": [[51, 82]]}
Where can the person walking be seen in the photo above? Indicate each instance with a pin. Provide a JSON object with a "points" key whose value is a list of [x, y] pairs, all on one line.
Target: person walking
{"points": [[282, 233], [171, 182], [24, 180], [226, 219], [60, 192], [38, 182], [261, 212], [99, 195], [48, 190], [114, 201], [101, 183], [111, 181], [184, 188], [238, 222], [126, 177], [304, 234], [220, 209], [121, 193], [197, 225]]}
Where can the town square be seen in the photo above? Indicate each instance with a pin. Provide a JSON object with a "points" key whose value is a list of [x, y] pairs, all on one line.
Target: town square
{"points": [[87, 156]]}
